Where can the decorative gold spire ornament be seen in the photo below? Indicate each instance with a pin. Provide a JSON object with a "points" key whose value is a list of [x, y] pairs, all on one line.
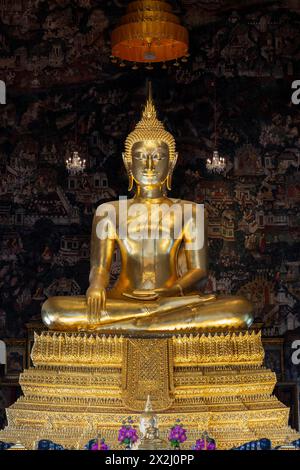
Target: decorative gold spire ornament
{"points": [[149, 32]]}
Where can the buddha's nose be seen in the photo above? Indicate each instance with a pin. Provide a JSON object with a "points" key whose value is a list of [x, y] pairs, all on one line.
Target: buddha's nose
{"points": [[149, 162]]}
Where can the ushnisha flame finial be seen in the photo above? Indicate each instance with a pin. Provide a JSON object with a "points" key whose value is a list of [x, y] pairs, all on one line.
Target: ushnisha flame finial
{"points": [[149, 110], [149, 128]]}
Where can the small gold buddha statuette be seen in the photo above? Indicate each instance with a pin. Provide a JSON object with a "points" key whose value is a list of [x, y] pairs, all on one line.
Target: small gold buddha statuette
{"points": [[150, 439]]}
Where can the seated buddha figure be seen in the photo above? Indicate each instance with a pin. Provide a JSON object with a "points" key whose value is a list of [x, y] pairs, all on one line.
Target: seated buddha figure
{"points": [[151, 293]]}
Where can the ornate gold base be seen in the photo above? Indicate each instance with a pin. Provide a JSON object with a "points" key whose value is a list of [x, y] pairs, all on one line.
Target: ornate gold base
{"points": [[87, 384]]}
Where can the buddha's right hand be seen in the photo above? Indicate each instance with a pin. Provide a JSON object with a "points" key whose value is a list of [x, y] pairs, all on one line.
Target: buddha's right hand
{"points": [[96, 303]]}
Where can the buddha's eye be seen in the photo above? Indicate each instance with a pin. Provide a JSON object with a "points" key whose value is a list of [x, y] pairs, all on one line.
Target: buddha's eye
{"points": [[139, 156], [156, 156]]}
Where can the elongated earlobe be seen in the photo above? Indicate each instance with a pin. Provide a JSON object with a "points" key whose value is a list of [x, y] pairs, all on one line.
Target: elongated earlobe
{"points": [[169, 177], [174, 161], [169, 182], [130, 183], [129, 173]]}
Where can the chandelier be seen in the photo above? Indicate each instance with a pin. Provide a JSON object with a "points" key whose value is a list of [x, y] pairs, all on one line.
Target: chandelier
{"points": [[75, 165], [216, 164], [149, 32]]}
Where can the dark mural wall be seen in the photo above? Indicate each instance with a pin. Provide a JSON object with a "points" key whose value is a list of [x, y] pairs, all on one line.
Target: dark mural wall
{"points": [[63, 93]]}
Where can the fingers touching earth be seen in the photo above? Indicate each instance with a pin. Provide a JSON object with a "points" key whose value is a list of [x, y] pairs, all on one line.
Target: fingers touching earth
{"points": [[96, 302]]}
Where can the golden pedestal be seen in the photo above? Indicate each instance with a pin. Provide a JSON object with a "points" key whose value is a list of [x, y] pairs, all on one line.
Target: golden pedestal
{"points": [[83, 385]]}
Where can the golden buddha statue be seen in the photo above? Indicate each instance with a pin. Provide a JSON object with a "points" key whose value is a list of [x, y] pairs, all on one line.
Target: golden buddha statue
{"points": [[124, 352], [149, 295], [150, 439], [148, 418]]}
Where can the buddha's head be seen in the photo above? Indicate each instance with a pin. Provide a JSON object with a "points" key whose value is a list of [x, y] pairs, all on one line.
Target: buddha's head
{"points": [[150, 155]]}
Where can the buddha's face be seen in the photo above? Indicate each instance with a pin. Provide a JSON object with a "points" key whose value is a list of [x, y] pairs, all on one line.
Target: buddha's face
{"points": [[150, 162]]}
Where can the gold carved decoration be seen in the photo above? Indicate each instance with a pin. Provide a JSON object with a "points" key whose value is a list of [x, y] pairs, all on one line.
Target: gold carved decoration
{"points": [[147, 372], [55, 348], [83, 385], [218, 349]]}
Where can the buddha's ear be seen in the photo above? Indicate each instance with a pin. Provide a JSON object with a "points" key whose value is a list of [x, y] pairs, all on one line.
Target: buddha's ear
{"points": [[173, 162], [125, 161], [175, 159], [129, 172], [171, 169]]}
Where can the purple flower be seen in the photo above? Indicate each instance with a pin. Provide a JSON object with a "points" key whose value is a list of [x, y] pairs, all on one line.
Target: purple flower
{"points": [[100, 446], [211, 446], [177, 434], [127, 434], [201, 444]]}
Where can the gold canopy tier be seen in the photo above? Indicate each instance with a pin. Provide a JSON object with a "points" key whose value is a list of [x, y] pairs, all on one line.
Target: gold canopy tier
{"points": [[149, 32]]}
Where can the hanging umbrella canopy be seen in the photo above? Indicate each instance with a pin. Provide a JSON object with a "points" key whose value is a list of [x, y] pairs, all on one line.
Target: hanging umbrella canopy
{"points": [[149, 32]]}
